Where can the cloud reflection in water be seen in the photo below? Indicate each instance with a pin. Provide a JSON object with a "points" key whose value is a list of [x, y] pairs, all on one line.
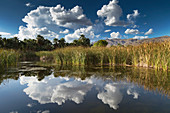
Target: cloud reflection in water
{"points": [[59, 90]]}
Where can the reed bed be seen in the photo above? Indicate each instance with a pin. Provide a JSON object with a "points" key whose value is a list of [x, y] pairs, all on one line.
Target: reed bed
{"points": [[8, 57], [156, 55]]}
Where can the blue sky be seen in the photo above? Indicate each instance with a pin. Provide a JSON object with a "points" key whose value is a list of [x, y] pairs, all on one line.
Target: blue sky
{"points": [[70, 18]]}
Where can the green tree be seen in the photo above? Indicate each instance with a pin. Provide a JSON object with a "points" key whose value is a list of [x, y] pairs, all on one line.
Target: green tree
{"points": [[83, 41], [11, 43], [4, 42], [55, 41], [76, 43], [30, 44], [47, 45], [40, 41], [100, 43], [1, 42], [43, 44], [15, 42], [62, 43]]}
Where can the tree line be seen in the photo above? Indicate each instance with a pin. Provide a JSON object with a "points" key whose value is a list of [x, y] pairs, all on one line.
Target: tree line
{"points": [[40, 43]]}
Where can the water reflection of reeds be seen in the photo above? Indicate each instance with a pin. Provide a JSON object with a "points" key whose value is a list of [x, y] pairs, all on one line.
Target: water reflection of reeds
{"points": [[149, 79]]}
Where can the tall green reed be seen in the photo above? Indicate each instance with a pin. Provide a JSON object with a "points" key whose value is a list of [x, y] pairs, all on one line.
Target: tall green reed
{"points": [[156, 55]]}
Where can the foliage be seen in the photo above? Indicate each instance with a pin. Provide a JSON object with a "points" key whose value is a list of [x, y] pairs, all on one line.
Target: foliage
{"points": [[150, 79], [82, 41], [40, 43], [100, 43], [8, 58], [154, 55]]}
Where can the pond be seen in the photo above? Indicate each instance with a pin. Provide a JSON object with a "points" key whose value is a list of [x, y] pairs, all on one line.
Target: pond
{"points": [[33, 87]]}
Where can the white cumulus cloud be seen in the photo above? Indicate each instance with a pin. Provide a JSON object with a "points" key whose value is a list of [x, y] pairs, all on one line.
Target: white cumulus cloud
{"points": [[111, 13], [55, 90], [74, 91], [112, 96], [150, 31], [115, 35], [69, 18], [61, 89], [5, 34], [49, 20], [140, 37], [66, 31], [133, 15], [39, 17], [31, 33], [88, 32], [132, 31]]}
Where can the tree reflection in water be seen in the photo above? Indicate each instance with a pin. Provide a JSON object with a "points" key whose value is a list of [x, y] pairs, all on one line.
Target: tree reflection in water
{"points": [[57, 84]]}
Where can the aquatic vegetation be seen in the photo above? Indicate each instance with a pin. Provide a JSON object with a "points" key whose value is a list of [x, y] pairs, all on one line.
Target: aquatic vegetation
{"points": [[8, 57], [150, 79], [156, 55]]}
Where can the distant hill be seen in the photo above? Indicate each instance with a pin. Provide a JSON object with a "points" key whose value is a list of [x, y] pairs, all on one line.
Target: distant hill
{"points": [[132, 41]]}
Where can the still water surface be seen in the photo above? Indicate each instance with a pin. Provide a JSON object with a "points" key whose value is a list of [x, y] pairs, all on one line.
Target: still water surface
{"points": [[33, 88]]}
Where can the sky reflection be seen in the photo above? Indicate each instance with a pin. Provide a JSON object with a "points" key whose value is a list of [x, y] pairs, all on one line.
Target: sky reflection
{"points": [[61, 89]]}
